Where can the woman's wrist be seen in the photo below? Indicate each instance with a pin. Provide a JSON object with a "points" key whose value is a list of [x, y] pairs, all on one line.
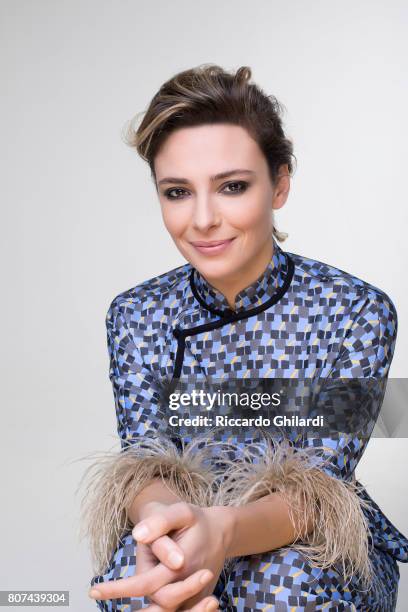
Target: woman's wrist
{"points": [[156, 491], [225, 521]]}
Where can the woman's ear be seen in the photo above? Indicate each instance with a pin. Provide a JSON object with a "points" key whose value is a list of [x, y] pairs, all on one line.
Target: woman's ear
{"points": [[282, 187]]}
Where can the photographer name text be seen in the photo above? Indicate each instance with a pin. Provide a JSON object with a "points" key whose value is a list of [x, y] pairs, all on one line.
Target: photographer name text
{"points": [[259, 421]]}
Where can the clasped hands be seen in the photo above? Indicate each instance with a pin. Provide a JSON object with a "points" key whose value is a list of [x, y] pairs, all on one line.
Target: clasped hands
{"points": [[180, 554]]}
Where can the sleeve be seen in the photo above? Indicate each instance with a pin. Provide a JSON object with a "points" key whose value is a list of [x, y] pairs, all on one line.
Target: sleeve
{"points": [[147, 450], [137, 393], [315, 475]]}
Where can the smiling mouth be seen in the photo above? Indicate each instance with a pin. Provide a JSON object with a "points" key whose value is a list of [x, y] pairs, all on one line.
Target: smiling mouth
{"points": [[212, 247], [210, 243]]}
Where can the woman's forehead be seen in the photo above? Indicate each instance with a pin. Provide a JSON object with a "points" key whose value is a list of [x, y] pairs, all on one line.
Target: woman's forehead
{"points": [[207, 151]]}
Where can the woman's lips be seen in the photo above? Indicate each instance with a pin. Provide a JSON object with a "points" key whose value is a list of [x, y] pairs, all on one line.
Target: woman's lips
{"points": [[212, 247]]}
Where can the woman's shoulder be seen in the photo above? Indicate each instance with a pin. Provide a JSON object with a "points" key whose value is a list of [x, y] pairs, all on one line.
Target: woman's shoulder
{"points": [[153, 294], [340, 284]]}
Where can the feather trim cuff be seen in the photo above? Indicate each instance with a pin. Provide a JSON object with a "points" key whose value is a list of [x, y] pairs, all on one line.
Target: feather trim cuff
{"points": [[340, 533], [114, 479]]}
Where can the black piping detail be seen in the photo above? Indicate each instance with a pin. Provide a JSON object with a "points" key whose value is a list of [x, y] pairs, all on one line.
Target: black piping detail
{"points": [[181, 343], [226, 316]]}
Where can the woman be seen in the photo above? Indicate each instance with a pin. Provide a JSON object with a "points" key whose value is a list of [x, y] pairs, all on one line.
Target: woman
{"points": [[277, 522]]}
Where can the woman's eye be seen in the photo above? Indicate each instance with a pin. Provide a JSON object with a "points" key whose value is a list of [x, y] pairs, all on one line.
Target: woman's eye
{"points": [[236, 188], [242, 186], [169, 191]]}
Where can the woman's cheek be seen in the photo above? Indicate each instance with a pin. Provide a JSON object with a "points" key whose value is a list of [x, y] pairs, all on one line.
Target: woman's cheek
{"points": [[253, 215], [175, 221]]}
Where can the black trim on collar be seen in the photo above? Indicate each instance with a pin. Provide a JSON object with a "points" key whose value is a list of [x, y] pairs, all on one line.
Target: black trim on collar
{"points": [[226, 316], [234, 316]]}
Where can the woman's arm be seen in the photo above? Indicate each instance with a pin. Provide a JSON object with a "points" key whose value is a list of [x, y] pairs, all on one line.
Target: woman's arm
{"points": [[259, 526], [315, 475], [149, 450]]}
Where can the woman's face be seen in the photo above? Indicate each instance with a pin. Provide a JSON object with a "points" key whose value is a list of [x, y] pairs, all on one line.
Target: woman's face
{"points": [[213, 185]]}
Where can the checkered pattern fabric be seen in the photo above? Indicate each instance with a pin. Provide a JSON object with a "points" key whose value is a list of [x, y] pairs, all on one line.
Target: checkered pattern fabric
{"points": [[301, 318]]}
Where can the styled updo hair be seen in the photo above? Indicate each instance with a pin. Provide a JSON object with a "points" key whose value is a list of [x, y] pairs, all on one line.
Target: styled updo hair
{"points": [[208, 94]]}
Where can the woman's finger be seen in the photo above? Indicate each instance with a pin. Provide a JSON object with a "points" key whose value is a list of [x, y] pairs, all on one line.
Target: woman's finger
{"points": [[173, 594], [173, 516], [208, 604], [145, 558], [135, 586], [168, 552]]}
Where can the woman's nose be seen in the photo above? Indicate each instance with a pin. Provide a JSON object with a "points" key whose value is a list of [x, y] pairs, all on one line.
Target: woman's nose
{"points": [[205, 213]]}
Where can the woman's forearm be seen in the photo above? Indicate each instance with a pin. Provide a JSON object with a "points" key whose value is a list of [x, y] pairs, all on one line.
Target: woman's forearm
{"points": [[259, 526], [155, 491]]}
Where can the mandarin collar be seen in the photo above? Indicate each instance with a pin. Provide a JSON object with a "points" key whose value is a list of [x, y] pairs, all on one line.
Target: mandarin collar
{"points": [[254, 295]]}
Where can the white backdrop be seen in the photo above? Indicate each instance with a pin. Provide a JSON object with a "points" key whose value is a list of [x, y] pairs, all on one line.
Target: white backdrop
{"points": [[81, 223]]}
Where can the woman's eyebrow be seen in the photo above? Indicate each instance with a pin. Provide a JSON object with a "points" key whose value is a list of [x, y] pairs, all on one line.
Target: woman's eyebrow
{"points": [[216, 177]]}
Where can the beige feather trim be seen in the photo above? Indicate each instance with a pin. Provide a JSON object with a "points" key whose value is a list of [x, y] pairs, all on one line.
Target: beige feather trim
{"points": [[115, 478], [333, 506], [340, 534]]}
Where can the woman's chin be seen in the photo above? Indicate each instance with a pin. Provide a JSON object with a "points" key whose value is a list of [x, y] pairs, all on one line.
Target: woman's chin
{"points": [[216, 271]]}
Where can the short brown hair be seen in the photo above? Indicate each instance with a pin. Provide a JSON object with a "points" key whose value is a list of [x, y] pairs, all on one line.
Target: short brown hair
{"points": [[208, 94]]}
